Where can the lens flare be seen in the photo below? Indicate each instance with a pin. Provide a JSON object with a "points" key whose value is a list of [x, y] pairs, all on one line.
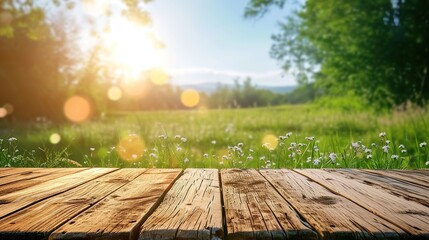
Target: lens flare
{"points": [[55, 138], [158, 76], [114, 93], [269, 141], [131, 148], [190, 98], [3, 112], [133, 89], [77, 109]]}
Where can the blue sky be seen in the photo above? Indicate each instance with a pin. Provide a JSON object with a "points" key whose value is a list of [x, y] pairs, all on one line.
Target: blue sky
{"points": [[210, 41]]}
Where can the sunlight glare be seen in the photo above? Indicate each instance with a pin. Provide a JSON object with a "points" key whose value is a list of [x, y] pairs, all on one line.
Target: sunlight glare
{"points": [[77, 109], [114, 93], [190, 98], [95, 8], [270, 141], [55, 138], [158, 76], [131, 148], [132, 47]]}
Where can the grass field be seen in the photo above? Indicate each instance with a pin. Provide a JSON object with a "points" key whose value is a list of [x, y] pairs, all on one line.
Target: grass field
{"points": [[286, 136]]}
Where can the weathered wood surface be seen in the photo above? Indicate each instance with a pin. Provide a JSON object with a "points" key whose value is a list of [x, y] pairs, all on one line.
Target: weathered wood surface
{"points": [[16, 200], [210, 204], [254, 209], [33, 177], [120, 215], [410, 216], [190, 210], [332, 215], [411, 177], [40, 219]]}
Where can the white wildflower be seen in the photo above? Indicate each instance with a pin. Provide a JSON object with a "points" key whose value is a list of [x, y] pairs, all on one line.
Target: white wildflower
{"points": [[386, 148], [355, 144], [206, 155], [240, 145], [153, 155], [382, 134], [186, 160], [369, 156], [92, 149], [423, 144], [394, 157], [179, 149], [249, 158], [333, 157], [316, 161], [368, 150], [401, 146], [403, 151], [213, 142], [183, 139], [309, 138], [308, 159], [177, 136], [162, 136], [12, 139], [387, 141]]}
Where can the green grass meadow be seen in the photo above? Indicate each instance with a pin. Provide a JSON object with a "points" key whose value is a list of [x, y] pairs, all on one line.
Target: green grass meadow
{"points": [[301, 136]]}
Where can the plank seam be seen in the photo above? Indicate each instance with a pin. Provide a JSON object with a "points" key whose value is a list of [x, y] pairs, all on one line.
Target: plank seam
{"points": [[301, 217], [93, 204], [222, 202]]}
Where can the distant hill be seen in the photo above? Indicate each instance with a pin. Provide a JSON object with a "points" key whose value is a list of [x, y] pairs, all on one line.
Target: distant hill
{"points": [[211, 87]]}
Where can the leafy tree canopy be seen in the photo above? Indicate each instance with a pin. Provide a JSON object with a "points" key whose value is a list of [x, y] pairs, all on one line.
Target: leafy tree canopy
{"points": [[378, 49]]}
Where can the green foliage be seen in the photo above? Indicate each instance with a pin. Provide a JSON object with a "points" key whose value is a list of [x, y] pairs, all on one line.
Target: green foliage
{"points": [[257, 137], [379, 49]]}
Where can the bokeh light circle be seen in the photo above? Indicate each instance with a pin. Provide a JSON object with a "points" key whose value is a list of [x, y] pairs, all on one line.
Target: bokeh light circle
{"points": [[158, 76], [114, 93], [3, 112], [270, 141], [55, 138], [190, 98], [131, 148], [77, 109]]}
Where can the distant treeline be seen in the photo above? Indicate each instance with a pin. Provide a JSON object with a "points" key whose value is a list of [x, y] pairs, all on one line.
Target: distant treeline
{"points": [[245, 95]]}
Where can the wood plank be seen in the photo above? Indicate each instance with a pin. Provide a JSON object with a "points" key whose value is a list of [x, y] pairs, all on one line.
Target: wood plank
{"points": [[34, 180], [120, 215], [254, 209], [411, 216], [190, 210], [394, 186], [333, 216], [26, 175], [15, 201], [40, 219], [13, 171], [401, 176]]}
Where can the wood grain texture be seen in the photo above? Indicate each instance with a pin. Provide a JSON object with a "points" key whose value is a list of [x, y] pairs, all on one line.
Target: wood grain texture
{"points": [[12, 171], [190, 210], [397, 187], [120, 215], [32, 178], [410, 216], [40, 219], [15, 201], [332, 215], [420, 180], [254, 209]]}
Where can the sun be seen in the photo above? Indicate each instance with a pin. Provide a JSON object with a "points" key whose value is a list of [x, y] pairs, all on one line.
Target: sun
{"points": [[132, 48]]}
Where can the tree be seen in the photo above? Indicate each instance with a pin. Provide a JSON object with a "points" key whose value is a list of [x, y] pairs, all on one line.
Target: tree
{"points": [[40, 62], [378, 49]]}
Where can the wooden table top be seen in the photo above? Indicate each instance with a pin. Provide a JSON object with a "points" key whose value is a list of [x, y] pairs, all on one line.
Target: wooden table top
{"points": [[110, 203]]}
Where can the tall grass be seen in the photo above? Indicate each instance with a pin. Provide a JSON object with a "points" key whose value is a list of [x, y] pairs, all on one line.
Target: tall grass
{"points": [[275, 137]]}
